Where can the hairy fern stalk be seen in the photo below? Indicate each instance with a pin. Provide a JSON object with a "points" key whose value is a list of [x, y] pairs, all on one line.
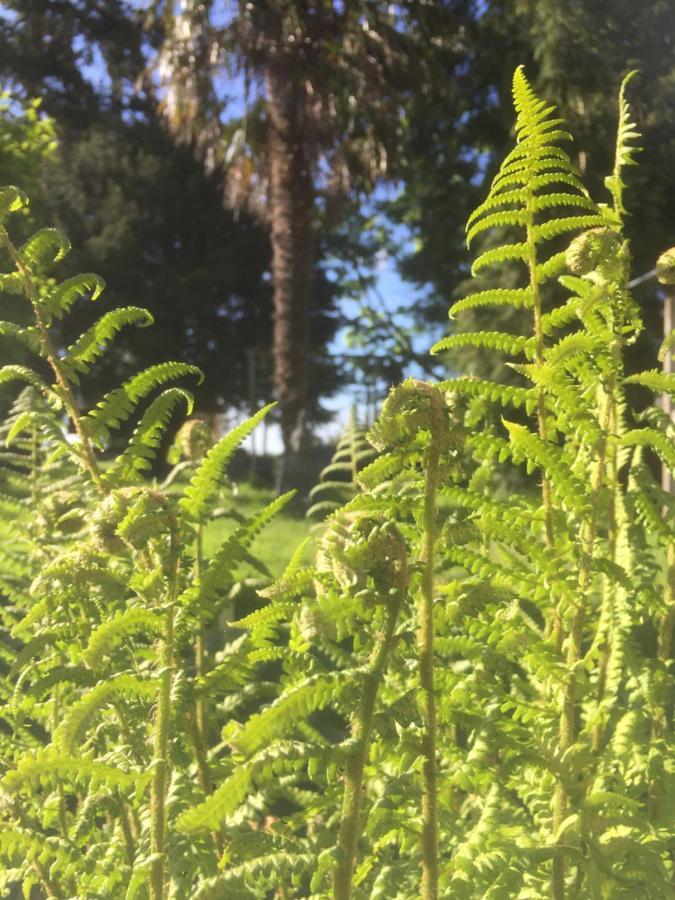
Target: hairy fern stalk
{"points": [[466, 694]]}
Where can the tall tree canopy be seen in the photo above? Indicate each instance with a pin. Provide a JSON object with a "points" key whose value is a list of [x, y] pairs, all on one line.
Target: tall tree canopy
{"points": [[325, 85]]}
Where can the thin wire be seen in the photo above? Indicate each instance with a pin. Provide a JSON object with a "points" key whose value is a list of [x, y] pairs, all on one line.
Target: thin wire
{"points": [[641, 278]]}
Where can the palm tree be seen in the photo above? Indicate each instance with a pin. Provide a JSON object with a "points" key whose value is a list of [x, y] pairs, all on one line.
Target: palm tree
{"points": [[323, 86]]}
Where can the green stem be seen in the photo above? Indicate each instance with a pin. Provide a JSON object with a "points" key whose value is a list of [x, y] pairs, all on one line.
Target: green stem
{"points": [[542, 424], [51, 355], [200, 640], [161, 761], [662, 714], [567, 728], [203, 770], [425, 642], [361, 730]]}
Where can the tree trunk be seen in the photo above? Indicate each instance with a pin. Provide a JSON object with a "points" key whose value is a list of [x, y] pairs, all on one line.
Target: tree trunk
{"points": [[291, 198]]}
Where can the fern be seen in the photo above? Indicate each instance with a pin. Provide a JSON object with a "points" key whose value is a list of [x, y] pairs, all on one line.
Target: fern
{"points": [[338, 480], [466, 692], [204, 482]]}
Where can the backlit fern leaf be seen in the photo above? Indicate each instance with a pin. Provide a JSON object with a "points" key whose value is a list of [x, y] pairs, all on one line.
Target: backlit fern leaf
{"points": [[627, 134], [47, 768], [92, 344], [45, 246], [60, 300], [512, 344], [109, 634], [519, 298], [282, 758], [118, 404], [147, 435], [265, 872], [293, 707], [69, 732], [204, 592], [206, 480], [655, 380], [338, 481], [26, 336]]}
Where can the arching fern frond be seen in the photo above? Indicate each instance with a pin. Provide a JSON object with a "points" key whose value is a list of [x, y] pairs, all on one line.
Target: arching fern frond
{"points": [[109, 634], [92, 344], [69, 732], [47, 768], [627, 134], [294, 706], [46, 246], [118, 404], [206, 480], [60, 300], [147, 435]]}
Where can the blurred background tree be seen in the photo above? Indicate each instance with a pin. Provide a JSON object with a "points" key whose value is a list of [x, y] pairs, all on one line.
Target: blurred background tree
{"points": [[243, 168], [324, 90]]}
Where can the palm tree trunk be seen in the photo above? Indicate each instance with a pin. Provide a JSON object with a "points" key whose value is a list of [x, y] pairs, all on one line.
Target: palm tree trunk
{"points": [[291, 198]]}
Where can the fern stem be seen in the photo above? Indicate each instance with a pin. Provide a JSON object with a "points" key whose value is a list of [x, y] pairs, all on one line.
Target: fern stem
{"points": [[125, 825], [203, 770], [567, 732], [361, 730], [161, 761], [662, 716], [425, 638], [200, 638], [539, 359], [609, 600], [67, 395]]}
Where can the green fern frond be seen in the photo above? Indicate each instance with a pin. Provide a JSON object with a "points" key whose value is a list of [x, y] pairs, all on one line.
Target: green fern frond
{"points": [[12, 199], [517, 252], [338, 480], [68, 734], [546, 456], [263, 873], [491, 390], [206, 480], [110, 634], [11, 283], [518, 298], [118, 404], [627, 134], [493, 340], [23, 373], [552, 229], [46, 246], [92, 344], [291, 708], [649, 437], [204, 592], [48, 767], [29, 337], [147, 435], [60, 300], [31, 420], [282, 758], [655, 380]]}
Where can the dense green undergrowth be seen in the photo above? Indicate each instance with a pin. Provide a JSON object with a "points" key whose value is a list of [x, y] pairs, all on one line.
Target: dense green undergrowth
{"points": [[458, 694]]}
